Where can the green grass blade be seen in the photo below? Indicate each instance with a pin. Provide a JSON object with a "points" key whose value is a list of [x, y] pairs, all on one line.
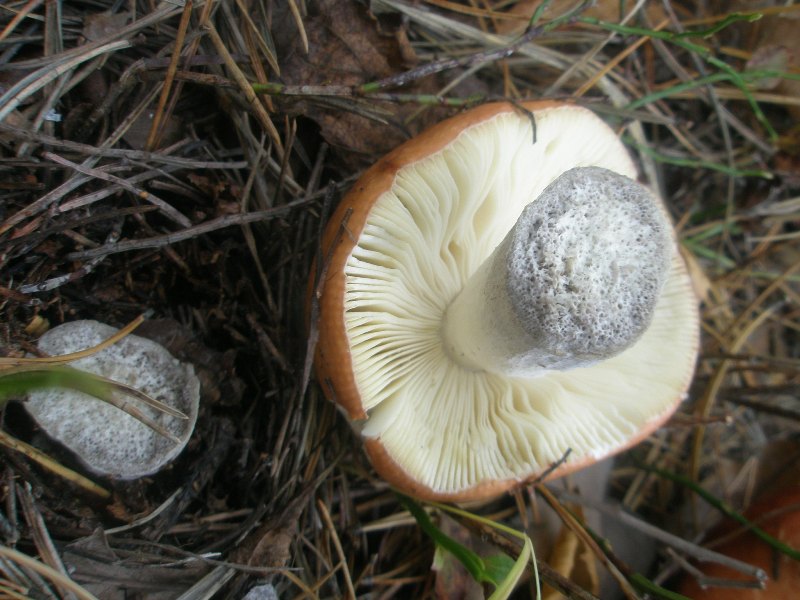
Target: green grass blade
{"points": [[682, 42], [703, 164], [512, 577], [21, 380], [471, 561], [723, 24], [727, 510], [528, 550], [499, 570]]}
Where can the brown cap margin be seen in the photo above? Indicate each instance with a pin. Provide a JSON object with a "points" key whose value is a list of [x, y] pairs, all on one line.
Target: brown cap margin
{"points": [[396, 476]]}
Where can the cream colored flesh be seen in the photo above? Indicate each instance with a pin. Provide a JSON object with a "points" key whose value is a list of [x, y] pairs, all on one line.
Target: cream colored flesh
{"points": [[450, 427], [574, 282]]}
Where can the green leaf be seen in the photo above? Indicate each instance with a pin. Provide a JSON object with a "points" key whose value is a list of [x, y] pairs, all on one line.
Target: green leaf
{"points": [[21, 381], [510, 581], [527, 554], [471, 561], [499, 570], [499, 566], [727, 510]]}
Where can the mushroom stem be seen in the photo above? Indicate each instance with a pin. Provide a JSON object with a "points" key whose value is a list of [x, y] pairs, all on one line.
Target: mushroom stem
{"points": [[574, 282]]}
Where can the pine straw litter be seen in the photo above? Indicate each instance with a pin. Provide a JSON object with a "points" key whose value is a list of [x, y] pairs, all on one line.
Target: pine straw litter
{"points": [[179, 160]]}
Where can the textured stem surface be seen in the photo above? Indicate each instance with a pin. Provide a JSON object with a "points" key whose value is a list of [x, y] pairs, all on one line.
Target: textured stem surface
{"points": [[574, 282]]}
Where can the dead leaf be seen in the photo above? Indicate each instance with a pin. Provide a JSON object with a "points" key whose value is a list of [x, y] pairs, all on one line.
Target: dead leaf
{"points": [[348, 48], [770, 57], [700, 281], [136, 136], [605, 10], [103, 24], [452, 578], [778, 47], [775, 513], [269, 545]]}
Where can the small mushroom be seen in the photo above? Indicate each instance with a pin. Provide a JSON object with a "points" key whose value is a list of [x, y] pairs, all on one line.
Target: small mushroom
{"points": [[777, 514], [499, 294], [107, 440]]}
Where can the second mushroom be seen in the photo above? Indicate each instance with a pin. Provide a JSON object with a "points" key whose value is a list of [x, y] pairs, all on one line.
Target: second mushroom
{"points": [[499, 293]]}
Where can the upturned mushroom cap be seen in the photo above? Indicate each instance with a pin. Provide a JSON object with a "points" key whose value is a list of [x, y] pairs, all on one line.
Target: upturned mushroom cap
{"points": [[107, 440], [399, 252]]}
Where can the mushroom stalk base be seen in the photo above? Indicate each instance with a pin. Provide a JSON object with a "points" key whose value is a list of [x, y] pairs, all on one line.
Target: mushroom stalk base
{"points": [[481, 331], [574, 282]]}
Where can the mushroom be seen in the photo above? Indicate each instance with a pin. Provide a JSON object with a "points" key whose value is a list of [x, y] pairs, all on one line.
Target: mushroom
{"points": [[499, 294], [105, 439]]}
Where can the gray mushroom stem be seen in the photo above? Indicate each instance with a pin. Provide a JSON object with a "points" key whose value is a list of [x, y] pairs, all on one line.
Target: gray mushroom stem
{"points": [[575, 281]]}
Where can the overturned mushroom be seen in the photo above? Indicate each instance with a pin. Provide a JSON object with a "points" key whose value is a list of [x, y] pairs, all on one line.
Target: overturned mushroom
{"points": [[107, 440], [496, 297]]}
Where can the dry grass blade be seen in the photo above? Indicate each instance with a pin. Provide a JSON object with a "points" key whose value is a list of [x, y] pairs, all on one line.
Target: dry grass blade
{"points": [[263, 114], [6, 362], [158, 116], [168, 210], [48, 463], [102, 388], [298, 19], [245, 86], [56, 578], [33, 83], [143, 418], [19, 17], [120, 153], [326, 518], [126, 390], [189, 232], [41, 537], [579, 530], [264, 44]]}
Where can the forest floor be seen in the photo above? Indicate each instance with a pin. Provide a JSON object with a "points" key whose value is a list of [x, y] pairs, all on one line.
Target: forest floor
{"points": [[178, 160]]}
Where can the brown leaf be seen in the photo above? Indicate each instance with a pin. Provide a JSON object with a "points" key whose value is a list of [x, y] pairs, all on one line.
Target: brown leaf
{"points": [[99, 25], [348, 47], [769, 57], [778, 47], [269, 546], [605, 10], [453, 581], [136, 136], [777, 514]]}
